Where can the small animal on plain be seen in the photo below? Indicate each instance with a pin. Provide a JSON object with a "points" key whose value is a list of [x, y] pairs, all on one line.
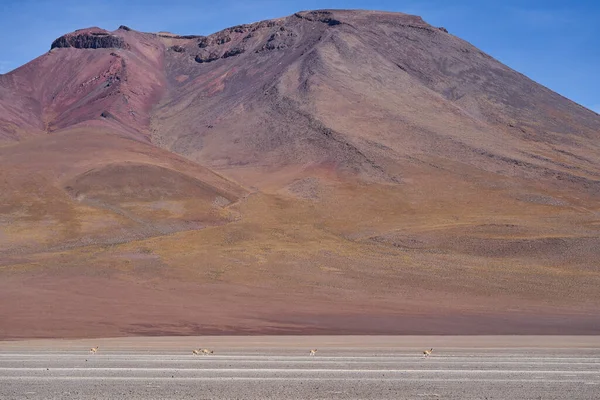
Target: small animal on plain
{"points": [[313, 352], [93, 350], [196, 352], [427, 353], [207, 351]]}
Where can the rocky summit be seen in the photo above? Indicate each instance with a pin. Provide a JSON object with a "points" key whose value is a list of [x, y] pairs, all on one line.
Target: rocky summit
{"points": [[347, 172]]}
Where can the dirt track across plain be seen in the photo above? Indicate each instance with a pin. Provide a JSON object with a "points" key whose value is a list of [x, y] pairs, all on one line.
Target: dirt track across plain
{"points": [[350, 367]]}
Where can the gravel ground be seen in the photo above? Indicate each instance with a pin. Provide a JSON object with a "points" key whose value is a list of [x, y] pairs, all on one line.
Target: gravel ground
{"points": [[342, 371]]}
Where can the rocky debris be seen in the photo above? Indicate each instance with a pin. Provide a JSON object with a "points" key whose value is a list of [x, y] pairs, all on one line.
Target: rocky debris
{"points": [[177, 49], [441, 28], [213, 56], [216, 39], [263, 24], [112, 79], [281, 39], [238, 37], [245, 28], [203, 42], [223, 40], [319, 16], [252, 27], [234, 33], [90, 40], [239, 29]]}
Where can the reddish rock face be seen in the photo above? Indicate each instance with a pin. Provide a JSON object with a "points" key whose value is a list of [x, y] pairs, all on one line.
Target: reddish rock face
{"points": [[320, 169]]}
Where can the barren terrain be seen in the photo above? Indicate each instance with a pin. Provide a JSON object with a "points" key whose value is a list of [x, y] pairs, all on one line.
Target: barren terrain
{"points": [[334, 172]]}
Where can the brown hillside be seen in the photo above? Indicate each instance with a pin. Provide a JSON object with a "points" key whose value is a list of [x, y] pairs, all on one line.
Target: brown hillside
{"points": [[327, 172]]}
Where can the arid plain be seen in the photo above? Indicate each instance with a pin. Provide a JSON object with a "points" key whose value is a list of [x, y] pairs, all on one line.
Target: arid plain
{"points": [[280, 367], [330, 172]]}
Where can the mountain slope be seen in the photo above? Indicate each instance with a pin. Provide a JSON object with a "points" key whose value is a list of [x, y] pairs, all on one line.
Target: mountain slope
{"points": [[117, 87], [330, 171], [420, 80]]}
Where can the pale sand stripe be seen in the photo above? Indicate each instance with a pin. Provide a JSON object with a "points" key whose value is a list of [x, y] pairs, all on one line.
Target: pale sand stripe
{"points": [[316, 370], [236, 378]]}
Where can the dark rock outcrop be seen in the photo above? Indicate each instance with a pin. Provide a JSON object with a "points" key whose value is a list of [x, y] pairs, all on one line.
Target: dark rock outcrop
{"points": [[90, 40], [319, 16], [177, 49], [206, 58], [213, 56], [181, 36], [228, 35], [233, 52], [203, 42]]}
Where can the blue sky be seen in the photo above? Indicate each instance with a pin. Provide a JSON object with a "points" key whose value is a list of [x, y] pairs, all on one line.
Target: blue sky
{"points": [[553, 42]]}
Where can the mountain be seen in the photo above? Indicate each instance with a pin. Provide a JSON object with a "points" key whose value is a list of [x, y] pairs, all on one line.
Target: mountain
{"points": [[332, 171]]}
